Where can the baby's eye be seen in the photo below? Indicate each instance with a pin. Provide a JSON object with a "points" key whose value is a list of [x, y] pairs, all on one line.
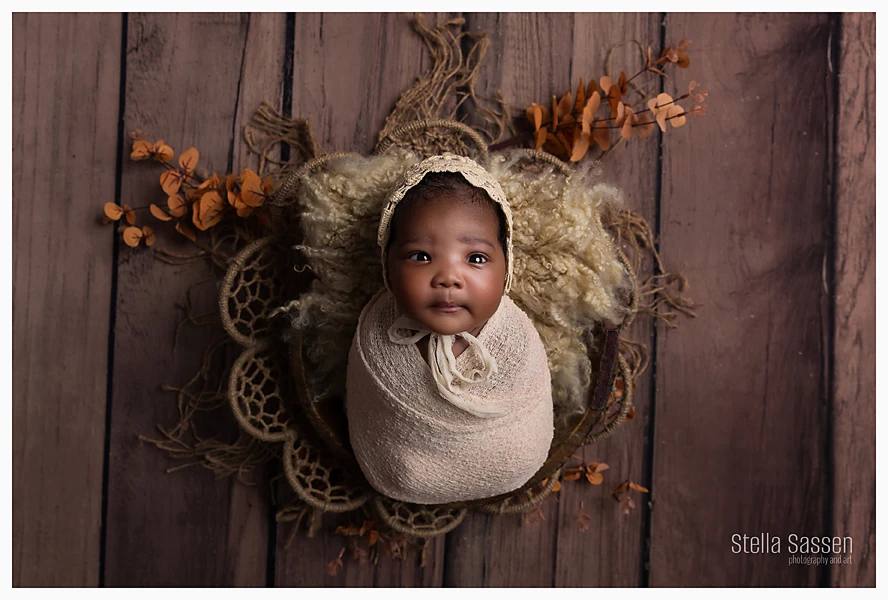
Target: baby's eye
{"points": [[477, 259], [419, 257]]}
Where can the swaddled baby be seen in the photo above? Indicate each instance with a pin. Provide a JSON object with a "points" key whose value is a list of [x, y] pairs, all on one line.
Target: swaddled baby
{"points": [[448, 393]]}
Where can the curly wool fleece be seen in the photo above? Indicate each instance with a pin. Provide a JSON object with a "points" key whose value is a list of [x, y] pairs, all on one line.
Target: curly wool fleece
{"points": [[567, 276]]}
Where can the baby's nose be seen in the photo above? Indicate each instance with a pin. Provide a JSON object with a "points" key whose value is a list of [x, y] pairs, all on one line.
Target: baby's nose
{"points": [[447, 277]]}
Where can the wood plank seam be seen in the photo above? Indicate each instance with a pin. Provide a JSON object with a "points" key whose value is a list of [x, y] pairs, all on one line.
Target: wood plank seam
{"points": [[112, 318]]}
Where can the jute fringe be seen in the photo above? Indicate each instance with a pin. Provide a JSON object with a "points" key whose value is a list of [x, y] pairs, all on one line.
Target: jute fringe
{"points": [[449, 83]]}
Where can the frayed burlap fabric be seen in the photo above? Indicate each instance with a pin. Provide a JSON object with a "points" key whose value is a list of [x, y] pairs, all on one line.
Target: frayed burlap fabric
{"points": [[414, 445]]}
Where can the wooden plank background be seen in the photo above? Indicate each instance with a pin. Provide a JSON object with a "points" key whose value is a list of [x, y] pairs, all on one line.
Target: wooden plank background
{"points": [[756, 417]]}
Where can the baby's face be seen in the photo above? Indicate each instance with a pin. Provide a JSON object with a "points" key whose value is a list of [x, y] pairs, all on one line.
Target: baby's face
{"points": [[446, 267]]}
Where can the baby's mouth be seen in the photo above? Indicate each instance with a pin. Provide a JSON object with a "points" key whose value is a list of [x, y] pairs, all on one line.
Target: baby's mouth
{"points": [[447, 307]]}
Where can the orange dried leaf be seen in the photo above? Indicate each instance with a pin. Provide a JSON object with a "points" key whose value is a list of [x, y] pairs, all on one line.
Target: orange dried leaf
{"points": [[615, 98], [161, 151], [129, 214], [208, 211], [619, 383], [572, 474], [594, 478], [631, 414], [581, 146], [556, 487], [591, 88], [657, 71], [148, 234], [601, 135], [620, 488], [113, 211], [554, 112], [186, 231], [605, 83], [637, 488], [683, 45], [141, 150], [664, 100], [581, 97], [252, 192], [210, 183], [159, 213], [676, 115], [565, 105], [178, 206], [132, 236], [170, 181], [621, 83], [661, 119], [188, 159], [372, 537], [591, 108], [626, 131], [596, 467]]}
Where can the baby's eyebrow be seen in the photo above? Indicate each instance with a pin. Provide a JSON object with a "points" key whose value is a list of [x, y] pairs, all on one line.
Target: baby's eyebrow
{"points": [[413, 240], [468, 239]]}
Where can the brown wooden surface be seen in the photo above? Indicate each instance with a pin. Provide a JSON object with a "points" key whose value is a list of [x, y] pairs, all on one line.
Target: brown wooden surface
{"points": [[64, 162], [741, 420], [854, 362], [186, 528], [761, 409]]}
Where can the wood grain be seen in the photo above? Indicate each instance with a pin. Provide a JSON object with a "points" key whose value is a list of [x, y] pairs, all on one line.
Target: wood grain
{"points": [[528, 60], [349, 70], [741, 421], [611, 552], [191, 79], [854, 360], [66, 82]]}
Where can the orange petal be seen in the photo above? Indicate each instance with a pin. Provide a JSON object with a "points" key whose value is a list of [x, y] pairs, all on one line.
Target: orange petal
{"points": [[188, 159], [159, 213], [113, 211], [132, 236]]}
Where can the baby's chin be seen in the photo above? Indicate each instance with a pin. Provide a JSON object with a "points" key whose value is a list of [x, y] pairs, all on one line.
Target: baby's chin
{"points": [[441, 325]]}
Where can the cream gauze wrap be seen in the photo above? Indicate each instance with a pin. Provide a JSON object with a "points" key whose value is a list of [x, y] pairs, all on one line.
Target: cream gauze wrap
{"points": [[464, 428]]}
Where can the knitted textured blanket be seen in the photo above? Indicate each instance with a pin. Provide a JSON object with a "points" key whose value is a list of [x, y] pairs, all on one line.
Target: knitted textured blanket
{"points": [[416, 444]]}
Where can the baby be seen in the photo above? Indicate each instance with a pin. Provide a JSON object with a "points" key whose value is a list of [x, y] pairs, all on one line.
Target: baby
{"points": [[448, 392]]}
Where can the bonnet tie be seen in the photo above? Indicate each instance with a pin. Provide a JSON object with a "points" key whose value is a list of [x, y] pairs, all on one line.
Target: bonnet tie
{"points": [[451, 383]]}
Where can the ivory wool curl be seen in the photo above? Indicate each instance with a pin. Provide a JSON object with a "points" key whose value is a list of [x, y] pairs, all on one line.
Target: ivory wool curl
{"points": [[567, 274]]}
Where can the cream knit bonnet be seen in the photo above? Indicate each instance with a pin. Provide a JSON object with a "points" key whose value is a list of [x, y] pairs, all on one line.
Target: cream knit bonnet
{"points": [[474, 173]]}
